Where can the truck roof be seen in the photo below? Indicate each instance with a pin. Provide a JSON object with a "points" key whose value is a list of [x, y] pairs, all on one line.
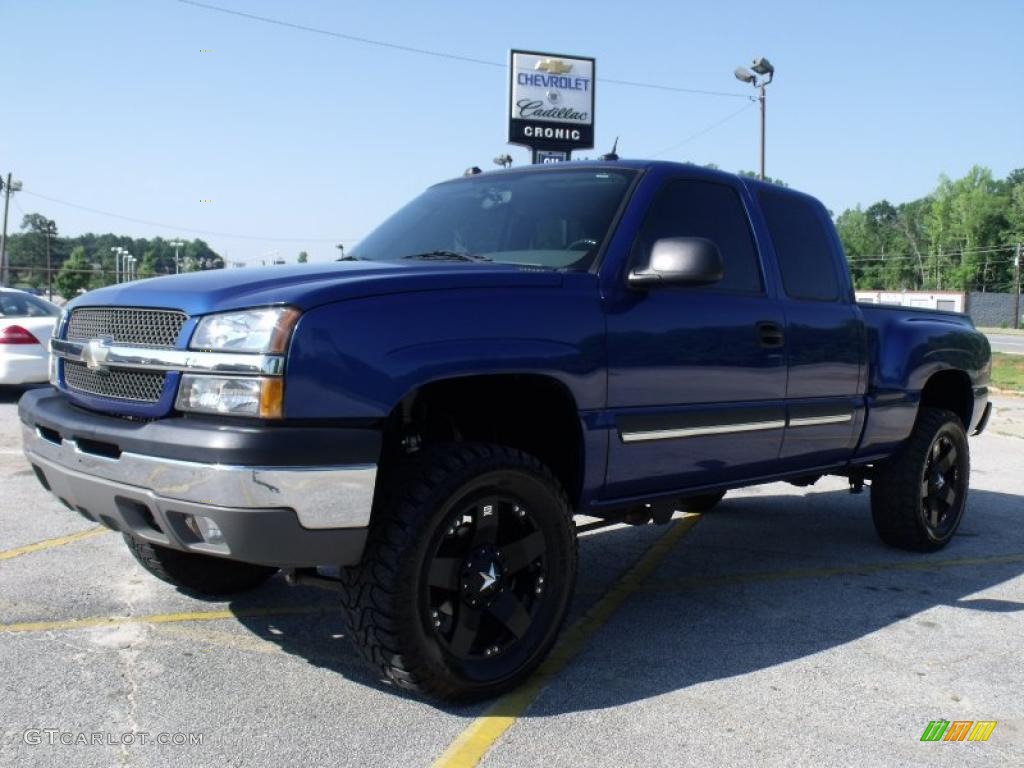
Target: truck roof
{"points": [[692, 170]]}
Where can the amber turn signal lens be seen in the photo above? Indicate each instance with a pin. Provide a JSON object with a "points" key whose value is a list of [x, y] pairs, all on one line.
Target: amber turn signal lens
{"points": [[272, 399]]}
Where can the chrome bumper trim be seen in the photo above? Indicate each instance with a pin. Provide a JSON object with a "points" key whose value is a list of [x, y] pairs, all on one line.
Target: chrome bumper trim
{"points": [[322, 497], [98, 354]]}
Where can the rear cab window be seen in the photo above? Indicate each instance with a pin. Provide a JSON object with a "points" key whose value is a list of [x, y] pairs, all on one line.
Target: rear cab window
{"points": [[803, 248]]}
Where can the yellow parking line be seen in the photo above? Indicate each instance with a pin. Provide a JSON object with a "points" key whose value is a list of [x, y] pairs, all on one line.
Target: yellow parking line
{"points": [[474, 742], [673, 585], [159, 618], [51, 543]]}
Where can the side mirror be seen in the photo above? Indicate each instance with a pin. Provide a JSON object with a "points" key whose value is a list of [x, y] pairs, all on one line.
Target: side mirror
{"points": [[680, 261]]}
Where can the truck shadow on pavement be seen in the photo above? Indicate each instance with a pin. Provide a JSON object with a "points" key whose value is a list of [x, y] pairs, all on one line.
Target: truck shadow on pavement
{"points": [[11, 393], [760, 581]]}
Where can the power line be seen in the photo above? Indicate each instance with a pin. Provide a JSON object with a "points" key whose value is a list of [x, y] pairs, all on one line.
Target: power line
{"points": [[987, 249], [192, 229], [437, 54], [701, 132], [344, 36]]}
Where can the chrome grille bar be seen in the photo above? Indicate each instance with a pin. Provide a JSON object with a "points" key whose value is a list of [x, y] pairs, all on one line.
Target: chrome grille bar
{"points": [[99, 354]]}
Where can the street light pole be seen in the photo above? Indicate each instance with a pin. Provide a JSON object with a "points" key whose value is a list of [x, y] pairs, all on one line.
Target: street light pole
{"points": [[116, 250], [766, 71], [762, 100], [177, 264]]}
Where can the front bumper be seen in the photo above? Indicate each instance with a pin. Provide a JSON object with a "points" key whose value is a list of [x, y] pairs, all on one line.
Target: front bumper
{"points": [[278, 513]]}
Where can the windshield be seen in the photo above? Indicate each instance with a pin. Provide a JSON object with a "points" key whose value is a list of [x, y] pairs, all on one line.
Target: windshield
{"points": [[556, 219], [17, 304]]}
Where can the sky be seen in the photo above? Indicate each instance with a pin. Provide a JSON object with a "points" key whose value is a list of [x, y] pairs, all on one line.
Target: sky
{"points": [[265, 140]]}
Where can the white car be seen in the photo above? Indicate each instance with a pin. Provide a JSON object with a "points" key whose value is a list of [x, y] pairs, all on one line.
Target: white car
{"points": [[26, 324]]}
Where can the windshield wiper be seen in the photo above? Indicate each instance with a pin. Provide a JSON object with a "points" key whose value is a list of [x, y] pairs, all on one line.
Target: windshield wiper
{"points": [[442, 255]]}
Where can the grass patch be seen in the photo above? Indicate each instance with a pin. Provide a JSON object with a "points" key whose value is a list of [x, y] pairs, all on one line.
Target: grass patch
{"points": [[1008, 371], [1003, 331]]}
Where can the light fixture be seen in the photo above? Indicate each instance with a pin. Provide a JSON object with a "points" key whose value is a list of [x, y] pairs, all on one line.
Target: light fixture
{"points": [[744, 75]]}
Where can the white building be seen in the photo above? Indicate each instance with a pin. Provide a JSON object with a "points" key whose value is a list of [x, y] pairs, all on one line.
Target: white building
{"points": [[948, 300]]}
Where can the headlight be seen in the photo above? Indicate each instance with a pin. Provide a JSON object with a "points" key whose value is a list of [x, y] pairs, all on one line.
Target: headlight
{"points": [[252, 330], [233, 395]]}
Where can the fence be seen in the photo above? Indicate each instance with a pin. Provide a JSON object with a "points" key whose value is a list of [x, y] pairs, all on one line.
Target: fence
{"points": [[992, 310]]}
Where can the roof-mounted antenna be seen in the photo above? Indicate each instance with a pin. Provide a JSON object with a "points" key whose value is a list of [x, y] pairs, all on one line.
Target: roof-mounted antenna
{"points": [[612, 155]]}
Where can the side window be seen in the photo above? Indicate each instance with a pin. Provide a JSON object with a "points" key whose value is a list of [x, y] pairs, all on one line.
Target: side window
{"points": [[693, 208], [802, 247]]}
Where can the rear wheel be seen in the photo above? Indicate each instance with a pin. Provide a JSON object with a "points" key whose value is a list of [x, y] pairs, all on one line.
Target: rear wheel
{"points": [[918, 496], [199, 574], [468, 572]]}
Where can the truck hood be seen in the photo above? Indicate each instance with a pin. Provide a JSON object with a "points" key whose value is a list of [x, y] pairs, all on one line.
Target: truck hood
{"points": [[308, 285]]}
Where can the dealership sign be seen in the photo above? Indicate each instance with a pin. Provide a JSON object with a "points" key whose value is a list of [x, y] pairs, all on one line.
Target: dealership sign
{"points": [[551, 102]]}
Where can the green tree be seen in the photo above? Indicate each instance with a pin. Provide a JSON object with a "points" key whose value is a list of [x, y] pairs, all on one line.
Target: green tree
{"points": [[75, 274], [756, 175], [959, 237], [303, 257], [148, 267]]}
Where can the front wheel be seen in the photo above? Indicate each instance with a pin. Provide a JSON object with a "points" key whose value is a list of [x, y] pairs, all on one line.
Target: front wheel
{"points": [[468, 572], [918, 496]]}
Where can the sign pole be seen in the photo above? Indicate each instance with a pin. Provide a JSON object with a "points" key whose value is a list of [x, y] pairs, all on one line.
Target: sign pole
{"points": [[1016, 284]]}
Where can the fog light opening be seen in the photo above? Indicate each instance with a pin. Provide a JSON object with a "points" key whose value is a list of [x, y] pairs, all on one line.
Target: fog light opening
{"points": [[205, 529]]}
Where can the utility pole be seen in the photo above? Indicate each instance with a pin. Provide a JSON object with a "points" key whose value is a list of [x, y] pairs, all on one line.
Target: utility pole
{"points": [[8, 187], [1016, 284]]}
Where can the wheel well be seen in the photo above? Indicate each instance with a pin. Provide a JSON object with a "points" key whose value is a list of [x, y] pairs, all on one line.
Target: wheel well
{"points": [[950, 390], [533, 413]]}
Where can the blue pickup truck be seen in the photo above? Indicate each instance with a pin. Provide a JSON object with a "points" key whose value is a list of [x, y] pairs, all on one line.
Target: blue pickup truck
{"points": [[417, 425]]}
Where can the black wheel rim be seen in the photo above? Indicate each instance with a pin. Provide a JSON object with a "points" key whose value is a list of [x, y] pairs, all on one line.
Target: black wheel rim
{"points": [[486, 582], [941, 490]]}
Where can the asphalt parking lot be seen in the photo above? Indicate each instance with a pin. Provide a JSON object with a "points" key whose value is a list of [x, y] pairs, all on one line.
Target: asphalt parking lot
{"points": [[774, 630]]}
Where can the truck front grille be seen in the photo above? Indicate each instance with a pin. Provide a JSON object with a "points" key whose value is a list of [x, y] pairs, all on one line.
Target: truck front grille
{"points": [[139, 327], [117, 383]]}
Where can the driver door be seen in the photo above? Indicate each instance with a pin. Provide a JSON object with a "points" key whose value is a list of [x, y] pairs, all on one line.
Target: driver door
{"points": [[697, 374]]}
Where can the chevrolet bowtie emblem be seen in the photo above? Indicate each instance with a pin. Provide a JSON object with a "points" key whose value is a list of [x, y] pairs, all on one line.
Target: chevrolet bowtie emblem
{"points": [[553, 66], [95, 353]]}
